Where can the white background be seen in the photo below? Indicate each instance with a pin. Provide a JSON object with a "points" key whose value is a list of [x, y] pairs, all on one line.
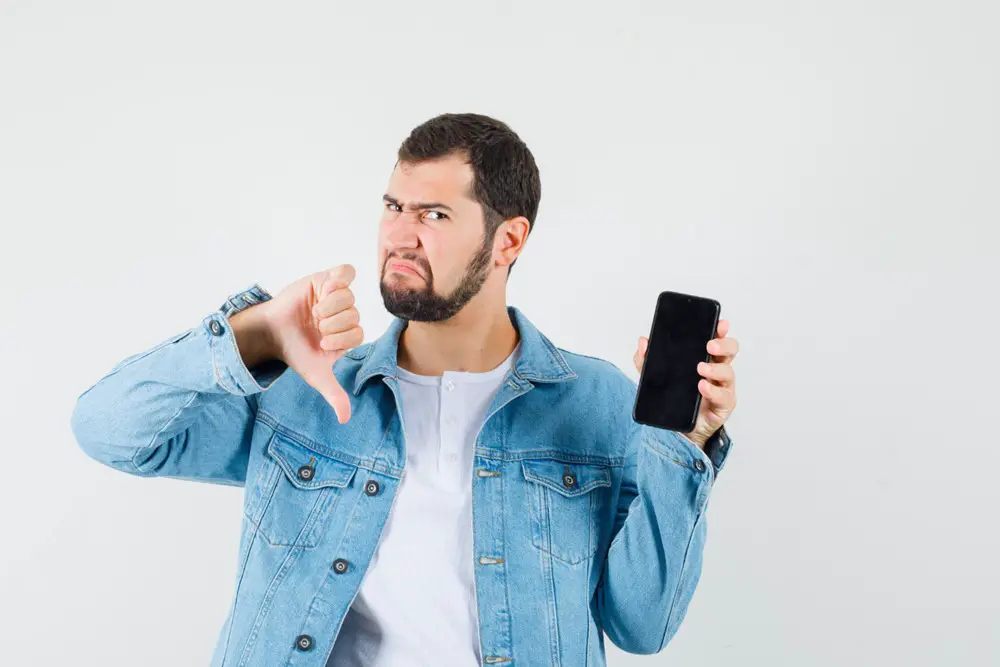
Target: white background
{"points": [[828, 171]]}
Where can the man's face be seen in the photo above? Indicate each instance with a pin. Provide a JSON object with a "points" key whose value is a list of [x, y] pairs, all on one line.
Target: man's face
{"points": [[430, 223]]}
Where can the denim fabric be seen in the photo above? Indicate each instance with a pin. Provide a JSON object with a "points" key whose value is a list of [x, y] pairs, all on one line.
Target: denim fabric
{"points": [[584, 522]]}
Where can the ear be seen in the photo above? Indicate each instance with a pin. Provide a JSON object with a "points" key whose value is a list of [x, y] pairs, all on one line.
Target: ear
{"points": [[510, 238]]}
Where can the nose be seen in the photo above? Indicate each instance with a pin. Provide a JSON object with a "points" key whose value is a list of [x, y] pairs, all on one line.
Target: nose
{"points": [[401, 233]]}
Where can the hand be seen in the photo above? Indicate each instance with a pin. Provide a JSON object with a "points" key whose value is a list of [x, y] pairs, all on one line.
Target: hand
{"points": [[312, 323], [717, 388]]}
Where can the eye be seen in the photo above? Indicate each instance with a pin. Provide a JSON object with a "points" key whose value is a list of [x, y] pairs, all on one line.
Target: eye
{"points": [[392, 207], [443, 216]]}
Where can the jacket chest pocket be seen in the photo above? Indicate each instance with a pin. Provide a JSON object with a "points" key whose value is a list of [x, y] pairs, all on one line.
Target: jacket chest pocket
{"points": [[564, 501], [292, 501]]}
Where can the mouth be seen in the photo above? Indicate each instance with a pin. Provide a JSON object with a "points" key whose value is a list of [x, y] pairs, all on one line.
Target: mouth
{"points": [[402, 267]]}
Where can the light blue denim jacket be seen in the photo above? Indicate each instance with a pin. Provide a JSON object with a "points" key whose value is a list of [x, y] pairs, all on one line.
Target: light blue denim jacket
{"points": [[584, 522]]}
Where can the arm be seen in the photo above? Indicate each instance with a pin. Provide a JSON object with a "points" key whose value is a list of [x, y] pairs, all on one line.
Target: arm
{"points": [[184, 408], [654, 561]]}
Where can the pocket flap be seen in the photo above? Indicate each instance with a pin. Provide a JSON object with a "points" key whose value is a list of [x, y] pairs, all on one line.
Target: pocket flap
{"points": [[569, 479], [294, 457]]}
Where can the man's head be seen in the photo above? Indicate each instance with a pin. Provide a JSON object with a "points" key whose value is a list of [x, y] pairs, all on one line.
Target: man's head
{"points": [[461, 201]]}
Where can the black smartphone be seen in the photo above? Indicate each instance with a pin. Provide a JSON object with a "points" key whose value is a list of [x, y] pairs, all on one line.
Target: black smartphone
{"points": [[668, 396]]}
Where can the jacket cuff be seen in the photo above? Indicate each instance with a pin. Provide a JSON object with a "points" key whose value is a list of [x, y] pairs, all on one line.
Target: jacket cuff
{"points": [[231, 372], [717, 448]]}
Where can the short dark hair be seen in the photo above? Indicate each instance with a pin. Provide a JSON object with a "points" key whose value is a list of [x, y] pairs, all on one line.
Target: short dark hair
{"points": [[505, 177]]}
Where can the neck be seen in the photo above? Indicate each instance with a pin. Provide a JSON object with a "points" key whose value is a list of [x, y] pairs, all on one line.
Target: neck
{"points": [[475, 340]]}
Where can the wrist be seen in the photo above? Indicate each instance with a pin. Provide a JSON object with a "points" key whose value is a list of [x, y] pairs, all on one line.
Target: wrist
{"points": [[694, 440], [254, 335]]}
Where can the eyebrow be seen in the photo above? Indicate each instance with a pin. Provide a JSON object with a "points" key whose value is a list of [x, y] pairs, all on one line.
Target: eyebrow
{"points": [[418, 205]]}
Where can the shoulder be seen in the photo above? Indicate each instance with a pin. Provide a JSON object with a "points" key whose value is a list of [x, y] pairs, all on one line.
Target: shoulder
{"points": [[596, 372]]}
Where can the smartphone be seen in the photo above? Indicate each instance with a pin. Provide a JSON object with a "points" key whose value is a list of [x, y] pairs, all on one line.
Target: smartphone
{"points": [[668, 396]]}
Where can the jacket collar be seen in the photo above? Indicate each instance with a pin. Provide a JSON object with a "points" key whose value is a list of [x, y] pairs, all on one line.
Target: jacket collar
{"points": [[538, 360]]}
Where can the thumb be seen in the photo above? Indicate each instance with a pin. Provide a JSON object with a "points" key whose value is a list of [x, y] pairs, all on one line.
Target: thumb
{"points": [[337, 397], [325, 382]]}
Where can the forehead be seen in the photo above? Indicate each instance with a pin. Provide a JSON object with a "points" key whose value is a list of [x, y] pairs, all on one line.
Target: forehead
{"points": [[447, 180]]}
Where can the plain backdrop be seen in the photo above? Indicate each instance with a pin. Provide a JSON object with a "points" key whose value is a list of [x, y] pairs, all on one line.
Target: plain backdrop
{"points": [[828, 171]]}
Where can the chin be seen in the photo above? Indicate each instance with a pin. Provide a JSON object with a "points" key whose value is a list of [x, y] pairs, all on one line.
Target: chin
{"points": [[400, 284]]}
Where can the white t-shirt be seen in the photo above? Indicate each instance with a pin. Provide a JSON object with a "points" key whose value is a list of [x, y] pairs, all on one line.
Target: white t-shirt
{"points": [[417, 602]]}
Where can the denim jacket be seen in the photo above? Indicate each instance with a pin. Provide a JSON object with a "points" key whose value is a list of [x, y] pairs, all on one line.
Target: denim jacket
{"points": [[585, 523]]}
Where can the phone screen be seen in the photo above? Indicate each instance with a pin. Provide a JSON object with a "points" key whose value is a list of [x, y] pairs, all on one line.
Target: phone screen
{"points": [[668, 396]]}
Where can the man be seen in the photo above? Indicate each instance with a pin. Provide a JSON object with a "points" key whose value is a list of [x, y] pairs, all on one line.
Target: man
{"points": [[459, 491]]}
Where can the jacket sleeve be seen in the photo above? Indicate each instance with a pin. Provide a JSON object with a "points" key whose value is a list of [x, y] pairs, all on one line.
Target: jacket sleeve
{"points": [[654, 559], [184, 408]]}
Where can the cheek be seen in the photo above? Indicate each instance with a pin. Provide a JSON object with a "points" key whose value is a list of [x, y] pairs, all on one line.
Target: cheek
{"points": [[382, 245], [449, 262]]}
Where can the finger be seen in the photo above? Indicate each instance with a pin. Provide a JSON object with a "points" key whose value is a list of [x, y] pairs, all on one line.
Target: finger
{"points": [[334, 302], [719, 398], [344, 340], [640, 354], [723, 349], [338, 277], [345, 320], [721, 374], [723, 328]]}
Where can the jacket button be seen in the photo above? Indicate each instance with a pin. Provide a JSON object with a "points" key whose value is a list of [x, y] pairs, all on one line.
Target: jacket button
{"points": [[371, 488], [304, 642], [340, 566], [699, 465], [216, 328], [306, 473], [569, 480]]}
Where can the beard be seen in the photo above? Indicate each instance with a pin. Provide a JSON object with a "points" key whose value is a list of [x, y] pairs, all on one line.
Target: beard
{"points": [[423, 304]]}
